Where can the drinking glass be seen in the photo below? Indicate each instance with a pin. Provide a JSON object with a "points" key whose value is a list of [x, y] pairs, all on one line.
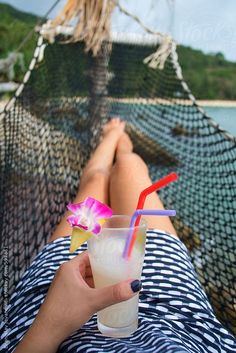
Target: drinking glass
{"points": [[110, 267]]}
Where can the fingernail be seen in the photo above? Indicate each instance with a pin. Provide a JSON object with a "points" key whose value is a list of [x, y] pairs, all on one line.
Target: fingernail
{"points": [[136, 285]]}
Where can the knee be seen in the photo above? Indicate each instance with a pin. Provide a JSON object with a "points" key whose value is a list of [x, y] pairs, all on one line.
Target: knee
{"points": [[126, 161]]}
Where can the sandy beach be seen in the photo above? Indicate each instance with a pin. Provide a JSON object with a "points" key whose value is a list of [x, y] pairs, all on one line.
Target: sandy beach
{"points": [[217, 103]]}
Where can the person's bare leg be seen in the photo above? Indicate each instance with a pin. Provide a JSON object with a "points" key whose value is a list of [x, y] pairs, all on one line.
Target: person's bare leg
{"points": [[128, 178], [95, 177]]}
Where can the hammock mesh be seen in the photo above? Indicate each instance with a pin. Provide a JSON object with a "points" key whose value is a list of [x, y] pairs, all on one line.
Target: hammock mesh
{"points": [[50, 129]]}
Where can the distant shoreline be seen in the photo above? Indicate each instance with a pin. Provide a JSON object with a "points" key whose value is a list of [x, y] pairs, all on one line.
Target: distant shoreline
{"points": [[216, 103], [201, 102]]}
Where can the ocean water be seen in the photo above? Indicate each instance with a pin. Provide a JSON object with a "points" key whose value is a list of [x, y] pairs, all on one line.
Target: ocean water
{"points": [[224, 116]]}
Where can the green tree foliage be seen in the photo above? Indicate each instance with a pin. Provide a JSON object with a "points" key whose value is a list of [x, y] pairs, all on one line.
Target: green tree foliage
{"points": [[14, 27], [209, 76]]}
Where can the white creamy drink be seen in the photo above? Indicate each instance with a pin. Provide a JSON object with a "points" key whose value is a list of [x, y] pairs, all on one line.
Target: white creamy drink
{"points": [[109, 267]]}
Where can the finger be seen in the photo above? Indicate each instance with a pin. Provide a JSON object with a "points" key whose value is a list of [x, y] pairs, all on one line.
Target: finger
{"points": [[81, 263], [89, 281], [82, 258], [88, 272], [85, 267], [117, 293]]}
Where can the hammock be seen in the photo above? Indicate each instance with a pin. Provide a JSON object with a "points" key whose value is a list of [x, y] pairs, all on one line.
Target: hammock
{"points": [[48, 130]]}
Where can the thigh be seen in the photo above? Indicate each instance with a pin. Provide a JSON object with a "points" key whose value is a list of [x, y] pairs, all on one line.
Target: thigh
{"points": [[128, 178]]}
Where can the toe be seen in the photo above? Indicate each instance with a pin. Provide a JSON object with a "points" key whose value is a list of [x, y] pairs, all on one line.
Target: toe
{"points": [[116, 121]]}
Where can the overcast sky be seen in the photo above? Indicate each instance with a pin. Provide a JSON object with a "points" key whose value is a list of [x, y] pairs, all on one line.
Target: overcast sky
{"points": [[209, 25]]}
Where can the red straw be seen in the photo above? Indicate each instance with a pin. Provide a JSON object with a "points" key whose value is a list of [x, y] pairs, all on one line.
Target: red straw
{"points": [[154, 187]]}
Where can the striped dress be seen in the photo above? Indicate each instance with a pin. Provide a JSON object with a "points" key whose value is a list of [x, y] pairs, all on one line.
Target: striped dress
{"points": [[174, 313]]}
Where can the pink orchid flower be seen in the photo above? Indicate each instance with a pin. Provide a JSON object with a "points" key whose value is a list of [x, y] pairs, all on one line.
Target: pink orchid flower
{"points": [[87, 215]]}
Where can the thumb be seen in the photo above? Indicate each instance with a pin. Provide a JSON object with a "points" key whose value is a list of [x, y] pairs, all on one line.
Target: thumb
{"points": [[117, 293]]}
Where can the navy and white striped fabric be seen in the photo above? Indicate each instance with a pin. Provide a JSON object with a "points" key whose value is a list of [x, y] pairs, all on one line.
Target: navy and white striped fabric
{"points": [[174, 315]]}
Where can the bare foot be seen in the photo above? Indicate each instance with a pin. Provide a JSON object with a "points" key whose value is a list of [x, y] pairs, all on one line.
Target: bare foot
{"points": [[125, 144], [115, 126], [103, 156]]}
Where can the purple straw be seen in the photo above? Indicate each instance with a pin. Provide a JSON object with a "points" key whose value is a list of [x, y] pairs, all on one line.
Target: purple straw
{"points": [[138, 213]]}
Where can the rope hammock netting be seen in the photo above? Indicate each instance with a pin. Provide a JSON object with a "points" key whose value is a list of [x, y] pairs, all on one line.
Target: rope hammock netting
{"points": [[50, 127]]}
